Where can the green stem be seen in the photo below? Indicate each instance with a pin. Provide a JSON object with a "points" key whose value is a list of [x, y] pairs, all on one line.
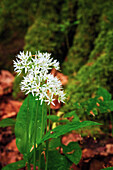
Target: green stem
{"points": [[27, 139], [49, 118], [47, 143], [40, 149], [35, 131], [41, 135], [28, 166]]}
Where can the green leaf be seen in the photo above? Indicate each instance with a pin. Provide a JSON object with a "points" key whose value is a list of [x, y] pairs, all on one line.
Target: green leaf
{"points": [[7, 122], [15, 165], [57, 161], [25, 123], [104, 93], [54, 143], [63, 129], [109, 168], [110, 106], [73, 152], [31, 157], [76, 22]]}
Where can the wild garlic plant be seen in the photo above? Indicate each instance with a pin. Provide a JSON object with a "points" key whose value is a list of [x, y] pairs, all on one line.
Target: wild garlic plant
{"points": [[43, 86], [34, 137]]}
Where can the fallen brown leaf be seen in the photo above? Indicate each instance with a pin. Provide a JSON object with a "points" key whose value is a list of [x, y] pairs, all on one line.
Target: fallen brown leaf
{"points": [[6, 82], [9, 108], [72, 137]]}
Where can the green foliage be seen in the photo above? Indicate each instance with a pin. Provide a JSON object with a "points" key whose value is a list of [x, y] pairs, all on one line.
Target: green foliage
{"points": [[15, 165], [15, 18], [87, 14], [54, 33], [63, 129], [64, 27], [109, 168], [29, 130], [46, 37], [7, 122], [73, 152], [54, 143], [101, 103], [25, 124], [90, 59], [58, 161], [16, 14]]}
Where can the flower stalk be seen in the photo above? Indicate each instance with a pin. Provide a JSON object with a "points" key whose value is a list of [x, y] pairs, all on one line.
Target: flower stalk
{"points": [[47, 143], [35, 132], [41, 135]]}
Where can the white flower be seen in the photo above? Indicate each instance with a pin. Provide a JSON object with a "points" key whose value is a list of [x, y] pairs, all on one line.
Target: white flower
{"points": [[56, 65], [50, 100], [38, 81], [26, 64], [61, 96]]}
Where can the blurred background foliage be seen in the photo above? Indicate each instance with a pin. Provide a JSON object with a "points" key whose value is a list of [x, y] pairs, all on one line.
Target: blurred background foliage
{"points": [[78, 33]]}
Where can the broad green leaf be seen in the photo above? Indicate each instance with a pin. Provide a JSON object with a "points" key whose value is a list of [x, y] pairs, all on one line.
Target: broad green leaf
{"points": [[15, 165], [63, 129], [73, 152], [57, 161], [25, 123], [7, 122], [109, 168], [54, 143]]}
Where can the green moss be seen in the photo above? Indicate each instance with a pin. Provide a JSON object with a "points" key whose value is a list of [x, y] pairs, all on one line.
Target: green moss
{"points": [[16, 15], [44, 34], [91, 58]]}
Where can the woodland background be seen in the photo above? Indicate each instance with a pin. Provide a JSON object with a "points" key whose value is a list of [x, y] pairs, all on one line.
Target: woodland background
{"points": [[78, 33]]}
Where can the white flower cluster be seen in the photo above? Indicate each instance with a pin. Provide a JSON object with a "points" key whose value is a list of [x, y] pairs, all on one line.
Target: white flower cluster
{"points": [[37, 80]]}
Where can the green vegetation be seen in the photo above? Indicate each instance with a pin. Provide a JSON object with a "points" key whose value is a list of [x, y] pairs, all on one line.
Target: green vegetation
{"points": [[78, 33], [91, 53]]}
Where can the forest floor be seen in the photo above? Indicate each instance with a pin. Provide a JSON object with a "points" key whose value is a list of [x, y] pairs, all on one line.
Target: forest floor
{"points": [[96, 153]]}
